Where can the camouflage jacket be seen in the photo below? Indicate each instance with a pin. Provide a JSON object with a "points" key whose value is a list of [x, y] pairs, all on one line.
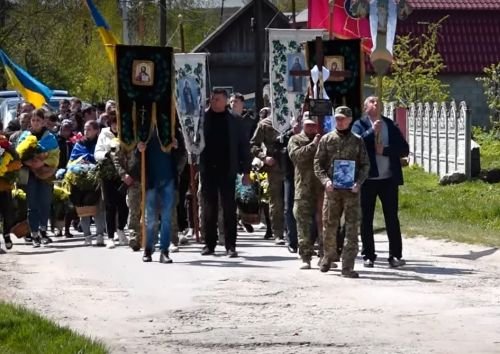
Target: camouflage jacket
{"points": [[302, 150], [334, 146], [266, 135], [127, 163]]}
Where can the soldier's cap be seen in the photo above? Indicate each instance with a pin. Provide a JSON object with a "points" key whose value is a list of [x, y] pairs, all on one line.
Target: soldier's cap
{"points": [[343, 112], [307, 119]]}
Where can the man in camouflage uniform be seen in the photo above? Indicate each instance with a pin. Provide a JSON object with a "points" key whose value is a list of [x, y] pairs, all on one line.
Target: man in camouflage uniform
{"points": [[271, 155], [341, 144], [128, 166], [308, 189]]}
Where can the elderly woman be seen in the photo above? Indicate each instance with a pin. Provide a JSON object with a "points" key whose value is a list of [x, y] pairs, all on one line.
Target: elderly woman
{"points": [[42, 164], [83, 152]]}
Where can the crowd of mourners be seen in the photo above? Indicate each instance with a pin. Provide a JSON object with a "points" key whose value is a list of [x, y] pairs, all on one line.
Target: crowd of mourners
{"points": [[76, 177]]}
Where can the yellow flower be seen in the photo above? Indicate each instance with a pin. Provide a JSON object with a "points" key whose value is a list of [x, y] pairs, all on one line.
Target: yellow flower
{"points": [[18, 194], [60, 194], [6, 159], [28, 145]]}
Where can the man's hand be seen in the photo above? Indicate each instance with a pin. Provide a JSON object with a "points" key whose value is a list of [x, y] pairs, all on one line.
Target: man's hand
{"points": [[128, 180], [316, 139], [377, 126], [355, 188], [141, 146], [329, 186], [379, 149], [246, 180], [269, 161]]}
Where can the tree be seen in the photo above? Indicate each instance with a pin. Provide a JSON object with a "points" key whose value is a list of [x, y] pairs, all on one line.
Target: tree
{"points": [[416, 66], [491, 86]]}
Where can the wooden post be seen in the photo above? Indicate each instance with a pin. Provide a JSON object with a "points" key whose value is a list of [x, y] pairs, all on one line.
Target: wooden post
{"points": [[194, 194], [143, 198]]}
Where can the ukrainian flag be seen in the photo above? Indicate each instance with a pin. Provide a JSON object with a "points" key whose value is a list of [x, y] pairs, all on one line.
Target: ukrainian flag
{"points": [[31, 89], [107, 36]]}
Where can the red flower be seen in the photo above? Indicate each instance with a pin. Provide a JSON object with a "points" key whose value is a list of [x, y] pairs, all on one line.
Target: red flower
{"points": [[76, 138], [4, 144]]}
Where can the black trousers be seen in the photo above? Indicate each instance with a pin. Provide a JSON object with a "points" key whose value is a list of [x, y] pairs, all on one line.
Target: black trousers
{"points": [[7, 211], [388, 192], [182, 214], [115, 203], [213, 184]]}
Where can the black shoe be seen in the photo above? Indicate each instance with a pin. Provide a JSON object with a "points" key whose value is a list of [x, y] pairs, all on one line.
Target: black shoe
{"points": [[396, 262], [164, 258], [268, 235], [28, 239], [207, 251], [231, 253], [368, 263], [134, 244], [292, 249], [147, 256], [325, 265], [36, 242], [8, 242], [347, 273], [68, 234], [46, 240], [248, 228]]}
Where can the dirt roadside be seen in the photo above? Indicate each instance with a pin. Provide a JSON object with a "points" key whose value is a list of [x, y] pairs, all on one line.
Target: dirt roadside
{"points": [[446, 300]]}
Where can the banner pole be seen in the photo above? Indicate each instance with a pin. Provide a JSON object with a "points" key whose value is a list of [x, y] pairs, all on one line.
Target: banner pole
{"points": [[194, 194], [143, 198]]}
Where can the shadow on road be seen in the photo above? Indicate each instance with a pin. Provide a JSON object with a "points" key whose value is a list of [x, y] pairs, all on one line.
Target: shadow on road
{"points": [[472, 256]]}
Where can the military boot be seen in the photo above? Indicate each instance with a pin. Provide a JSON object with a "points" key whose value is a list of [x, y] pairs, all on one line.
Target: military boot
{"points": [[349, 273]]}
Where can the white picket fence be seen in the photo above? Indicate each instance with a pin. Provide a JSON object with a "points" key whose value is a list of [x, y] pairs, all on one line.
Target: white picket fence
{"points": [[439, 136]]}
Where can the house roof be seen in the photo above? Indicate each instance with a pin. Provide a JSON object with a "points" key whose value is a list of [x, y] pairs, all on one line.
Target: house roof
{"points": [[233, 19], [455, 4], [467, 43]]}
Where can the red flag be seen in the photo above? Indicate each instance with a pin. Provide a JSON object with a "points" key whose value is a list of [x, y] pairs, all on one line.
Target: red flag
{"points": [[342, 24]]}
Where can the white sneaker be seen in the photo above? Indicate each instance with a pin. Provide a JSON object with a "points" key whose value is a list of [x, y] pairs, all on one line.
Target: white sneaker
{"points": [[116, 237], [122, 238], [110, 243], [183, 240], [99, 241], [88, 241], [173, 248], [189, 233]]}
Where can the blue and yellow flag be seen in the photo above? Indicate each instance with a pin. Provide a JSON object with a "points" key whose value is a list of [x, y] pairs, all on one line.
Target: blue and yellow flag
{"points": [[31, 89], [107, 36]]}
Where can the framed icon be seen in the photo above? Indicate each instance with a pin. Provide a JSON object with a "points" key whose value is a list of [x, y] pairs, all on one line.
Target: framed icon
{"points": [[143, 72], [335, 63]]}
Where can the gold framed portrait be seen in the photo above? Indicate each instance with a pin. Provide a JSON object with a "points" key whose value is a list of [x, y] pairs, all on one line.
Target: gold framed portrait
{"points": [[143, 72], [335, 63]]}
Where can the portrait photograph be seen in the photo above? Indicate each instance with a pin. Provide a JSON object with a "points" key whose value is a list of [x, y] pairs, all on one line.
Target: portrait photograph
{"points": [[335, 63], [296, 62], [189, 95], [143, 72]]}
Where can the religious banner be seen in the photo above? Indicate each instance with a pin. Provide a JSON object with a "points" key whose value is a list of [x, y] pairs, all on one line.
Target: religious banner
{"points": [[144, 94], [190, 93], [286, 62], [343, 64]]}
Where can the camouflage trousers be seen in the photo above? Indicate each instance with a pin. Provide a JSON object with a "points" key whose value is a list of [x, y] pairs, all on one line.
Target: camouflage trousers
{"points": [[334, 204], [304, 211], [276, 203], [134, 215]]}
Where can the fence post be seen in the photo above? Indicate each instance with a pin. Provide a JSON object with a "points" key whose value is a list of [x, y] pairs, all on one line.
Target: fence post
{"points": [[468, 132]]}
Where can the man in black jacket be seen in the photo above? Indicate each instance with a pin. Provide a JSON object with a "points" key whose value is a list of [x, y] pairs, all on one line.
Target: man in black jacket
{"points": [[226, 154], [385, 146]]}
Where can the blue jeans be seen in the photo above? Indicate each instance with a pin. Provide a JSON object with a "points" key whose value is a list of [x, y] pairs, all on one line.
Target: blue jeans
{"points": [[160, 199], [291, 224], [39, 198]]}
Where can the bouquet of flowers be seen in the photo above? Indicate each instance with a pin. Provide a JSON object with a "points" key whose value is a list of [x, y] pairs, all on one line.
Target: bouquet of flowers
{"points": [[82, 176], [28, 148], [9, 164], [20, 205], [247, 197], [60, 202], [261, 179]]}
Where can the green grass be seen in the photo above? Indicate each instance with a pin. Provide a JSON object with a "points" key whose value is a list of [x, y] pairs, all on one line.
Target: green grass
{"points": [[467, 212], [490, 147], [23, 331]]}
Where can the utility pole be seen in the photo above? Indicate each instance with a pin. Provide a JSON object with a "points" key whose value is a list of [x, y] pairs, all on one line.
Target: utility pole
{"points": [[294, 23], [221, 12], [124, 6], [259, 34], [163, 23], [181, 30]]}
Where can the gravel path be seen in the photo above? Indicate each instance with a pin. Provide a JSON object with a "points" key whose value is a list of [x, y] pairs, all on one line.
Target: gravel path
{"points": [[446, 300]]}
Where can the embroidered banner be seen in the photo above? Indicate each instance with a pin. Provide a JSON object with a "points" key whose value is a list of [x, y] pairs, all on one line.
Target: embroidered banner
{"points": [[190, 94], [145, 98], [287, 91]]}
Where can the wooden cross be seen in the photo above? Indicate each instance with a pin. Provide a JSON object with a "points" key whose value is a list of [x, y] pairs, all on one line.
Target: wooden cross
{"points": [[334, 75]]}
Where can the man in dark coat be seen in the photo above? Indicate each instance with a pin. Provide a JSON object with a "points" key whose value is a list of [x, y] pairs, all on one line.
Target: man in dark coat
{"points": [[226, 154]]}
